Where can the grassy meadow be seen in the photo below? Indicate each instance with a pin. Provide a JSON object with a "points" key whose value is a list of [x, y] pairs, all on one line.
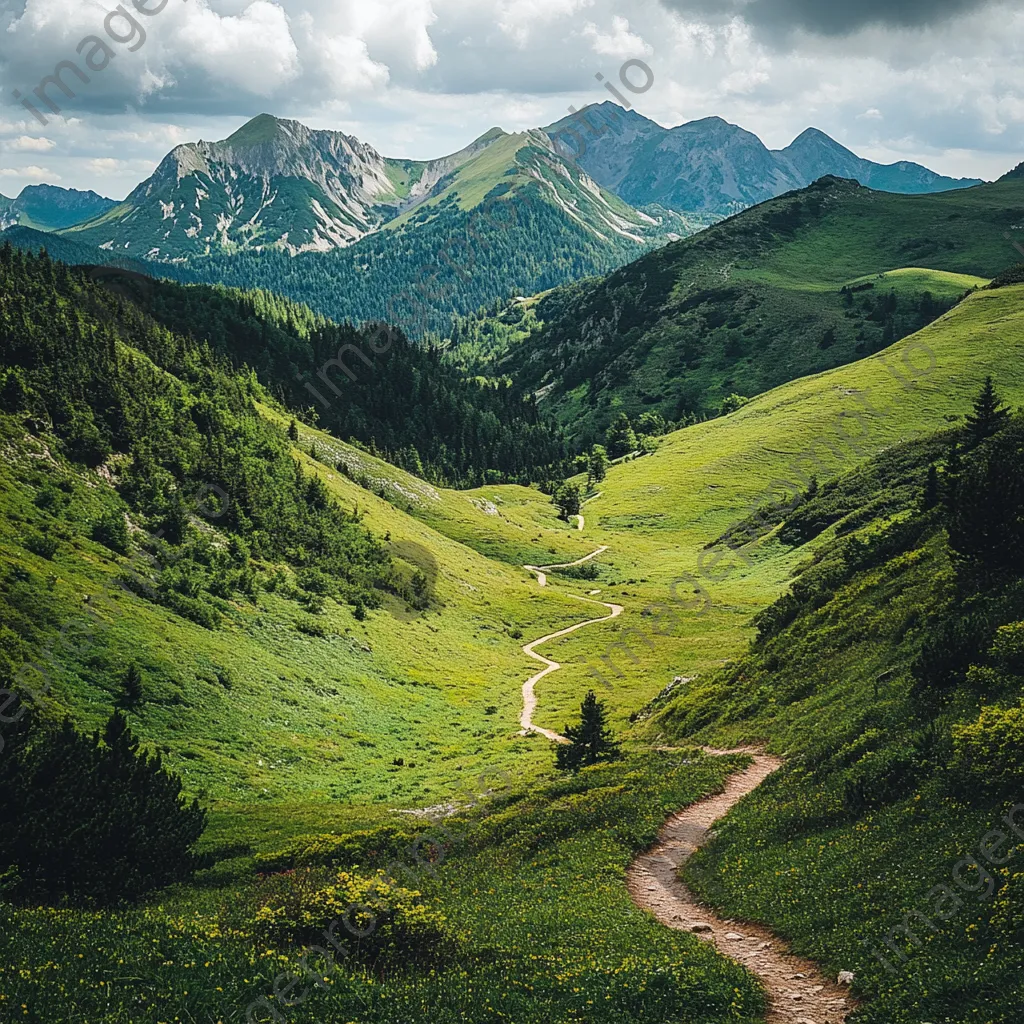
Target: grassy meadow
{"points": [[661, 514], [538, 927]]}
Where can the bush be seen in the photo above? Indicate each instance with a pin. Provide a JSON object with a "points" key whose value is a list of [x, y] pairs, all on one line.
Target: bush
{"points": [[989, 752], [112, 532], [41, 544], [1008, 648], [385, 924], [362, 848]]}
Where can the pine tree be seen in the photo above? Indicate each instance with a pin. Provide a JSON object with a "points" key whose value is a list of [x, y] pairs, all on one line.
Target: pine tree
{"points": [[951, 478], [590, 741], [131, 686], [95, 817], [931, 489], [989, 416], [293, 431]]}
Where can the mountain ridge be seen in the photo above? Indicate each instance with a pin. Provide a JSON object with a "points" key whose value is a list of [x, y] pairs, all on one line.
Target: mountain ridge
{"points": [[714, 166], [51, 208], [276, 183]]}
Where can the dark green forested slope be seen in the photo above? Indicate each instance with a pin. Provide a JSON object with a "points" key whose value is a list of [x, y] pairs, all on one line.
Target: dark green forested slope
{"points": [[785, 289], [444, 260], [892, 676], [111, 384], [371, 385]]}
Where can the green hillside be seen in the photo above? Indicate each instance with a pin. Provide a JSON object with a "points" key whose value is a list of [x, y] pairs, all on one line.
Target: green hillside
{"points": [[788, 288], [661, 515], [325, 641], [272, 657], [309, 656], [891, 676], [450, 256]]}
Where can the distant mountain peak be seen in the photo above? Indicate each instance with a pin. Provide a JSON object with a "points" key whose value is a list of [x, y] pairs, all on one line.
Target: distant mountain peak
{"points": [[710, 165], [51, 208], [262, 128], [490, 135]]}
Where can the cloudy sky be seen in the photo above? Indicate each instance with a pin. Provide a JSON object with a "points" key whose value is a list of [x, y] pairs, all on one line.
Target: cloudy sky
{"points": [[937, 81]]}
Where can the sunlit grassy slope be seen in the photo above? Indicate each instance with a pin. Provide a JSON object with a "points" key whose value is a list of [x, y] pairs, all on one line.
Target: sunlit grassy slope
{"points": [[263, 710], [759, 299], [658, 513], [917, 280]]}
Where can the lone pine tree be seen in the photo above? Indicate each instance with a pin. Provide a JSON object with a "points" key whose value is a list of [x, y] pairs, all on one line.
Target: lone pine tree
{"points": [[989, 416], [590, 741]]}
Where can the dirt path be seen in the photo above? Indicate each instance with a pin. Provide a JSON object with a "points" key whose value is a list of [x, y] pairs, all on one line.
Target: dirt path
{"points": [[797, 991], [529, 696], [542, 578]]}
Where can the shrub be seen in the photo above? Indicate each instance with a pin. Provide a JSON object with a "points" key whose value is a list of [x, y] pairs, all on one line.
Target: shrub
{"points": [[384, 924], [989, 752], [41, 544], [361, 848], [1008, 647], [111, 531]]}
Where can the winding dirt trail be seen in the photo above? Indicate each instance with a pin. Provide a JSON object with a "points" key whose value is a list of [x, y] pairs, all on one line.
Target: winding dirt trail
{"points": [[797, 991], [529, 696]]}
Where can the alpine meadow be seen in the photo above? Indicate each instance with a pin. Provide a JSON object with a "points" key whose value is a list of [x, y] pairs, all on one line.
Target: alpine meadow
{"points": [[577, 578]]}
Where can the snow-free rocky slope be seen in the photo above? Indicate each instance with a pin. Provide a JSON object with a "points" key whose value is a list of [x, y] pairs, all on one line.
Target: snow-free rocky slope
{"points": [[278, 184]]}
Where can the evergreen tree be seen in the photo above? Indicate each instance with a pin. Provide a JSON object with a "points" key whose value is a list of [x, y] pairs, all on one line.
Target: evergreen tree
{"points": [[989, 416], [94, 817], [590, 741], [951, 478], [131, 686], [931, 489], [597, 469], [293, 432]]}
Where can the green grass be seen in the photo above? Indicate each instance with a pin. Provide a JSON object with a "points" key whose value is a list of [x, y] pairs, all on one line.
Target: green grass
{"points": [[259, 712], [658, 513], [917, 280], [542, 927], [757, 300]]}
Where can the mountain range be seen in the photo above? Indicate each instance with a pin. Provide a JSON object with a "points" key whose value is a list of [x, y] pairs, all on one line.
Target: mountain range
{"points": [[712, 166], [51, 208], [277, 184]]}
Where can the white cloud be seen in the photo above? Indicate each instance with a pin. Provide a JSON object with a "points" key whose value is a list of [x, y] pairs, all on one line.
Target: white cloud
{"points": [[104, 165], [28, 144], [423, 77], [32, 171], [518, 18], [620, 42]]}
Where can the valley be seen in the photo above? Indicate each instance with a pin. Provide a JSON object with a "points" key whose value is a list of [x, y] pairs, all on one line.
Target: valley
{"points": [[652, 561]]}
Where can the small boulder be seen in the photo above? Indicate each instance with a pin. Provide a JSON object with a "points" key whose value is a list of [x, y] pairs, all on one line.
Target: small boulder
{"points": [[734, 936], [700, 926], [845, 977]]}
